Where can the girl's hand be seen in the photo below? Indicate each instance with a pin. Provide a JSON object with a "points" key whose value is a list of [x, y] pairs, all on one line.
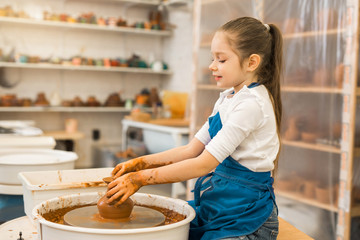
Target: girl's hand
{"points": [[123, 187], [133, 165]]}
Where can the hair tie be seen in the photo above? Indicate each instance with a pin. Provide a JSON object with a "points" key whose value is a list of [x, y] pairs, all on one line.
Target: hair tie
{"points": [[267, 26]]}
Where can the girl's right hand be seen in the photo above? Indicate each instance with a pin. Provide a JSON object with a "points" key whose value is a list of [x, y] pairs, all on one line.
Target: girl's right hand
{"points": [[132, 165]]}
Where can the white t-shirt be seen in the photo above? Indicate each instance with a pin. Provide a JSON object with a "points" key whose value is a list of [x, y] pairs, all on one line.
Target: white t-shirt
{"points": [[248, 133]]}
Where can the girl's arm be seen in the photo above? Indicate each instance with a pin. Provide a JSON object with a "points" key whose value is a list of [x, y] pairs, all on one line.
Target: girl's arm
{"points": [[191, 150], [126, 185]]}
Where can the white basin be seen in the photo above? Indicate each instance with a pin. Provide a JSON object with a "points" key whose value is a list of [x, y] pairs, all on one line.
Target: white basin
{"points": [[13, 161], [53, 231]]}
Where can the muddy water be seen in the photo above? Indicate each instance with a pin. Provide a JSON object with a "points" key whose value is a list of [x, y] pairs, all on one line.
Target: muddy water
{"points": [[57, 216]]}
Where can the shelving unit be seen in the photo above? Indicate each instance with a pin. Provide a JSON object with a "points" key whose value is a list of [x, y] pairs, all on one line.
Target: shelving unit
{"points": [[64, 109], [311, 202], [82, 26], [63, 40], [313, 44], [70, 109], [49, 66], [312, 146]]}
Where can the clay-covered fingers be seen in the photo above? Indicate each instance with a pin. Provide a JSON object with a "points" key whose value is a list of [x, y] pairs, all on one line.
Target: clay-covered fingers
{"points": [[122, 199], [118, 170], [114, 195], [123, 187]]}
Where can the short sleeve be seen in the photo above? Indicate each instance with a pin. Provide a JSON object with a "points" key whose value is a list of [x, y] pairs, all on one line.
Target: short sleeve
{"points": [[203, 134], [246, 117]]}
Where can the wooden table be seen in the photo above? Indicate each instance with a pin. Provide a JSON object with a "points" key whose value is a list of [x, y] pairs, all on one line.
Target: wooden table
{"points": [[62, 135], [288, 231]]}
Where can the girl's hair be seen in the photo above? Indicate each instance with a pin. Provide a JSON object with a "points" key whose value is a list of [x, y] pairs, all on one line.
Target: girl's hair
{"points": [[248, 36]]}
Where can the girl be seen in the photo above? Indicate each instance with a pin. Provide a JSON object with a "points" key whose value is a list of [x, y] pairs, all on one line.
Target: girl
{"points": [[240, 141]]}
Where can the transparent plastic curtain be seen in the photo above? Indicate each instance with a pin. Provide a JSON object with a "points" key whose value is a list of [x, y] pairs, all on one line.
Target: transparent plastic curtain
{"points": [[314, 43]]}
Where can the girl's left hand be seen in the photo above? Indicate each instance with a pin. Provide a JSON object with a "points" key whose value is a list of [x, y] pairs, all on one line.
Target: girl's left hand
{"points": [[123, 187]]}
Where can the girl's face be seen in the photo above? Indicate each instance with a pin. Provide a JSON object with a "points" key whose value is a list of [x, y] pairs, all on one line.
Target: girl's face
{"points": [[225, 65]]}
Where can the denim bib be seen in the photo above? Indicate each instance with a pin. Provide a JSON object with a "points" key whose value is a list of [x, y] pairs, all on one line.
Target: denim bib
{"points": [[235, 200]]}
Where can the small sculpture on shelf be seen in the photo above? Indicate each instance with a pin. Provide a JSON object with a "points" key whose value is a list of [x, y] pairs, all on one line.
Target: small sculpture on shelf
{"points": [[92, 102], [114, 100], [77, 102], [41, 100]]}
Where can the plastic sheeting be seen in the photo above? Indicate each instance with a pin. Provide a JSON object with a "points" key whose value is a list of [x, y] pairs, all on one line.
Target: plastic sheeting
{"points": [[307, 182]]}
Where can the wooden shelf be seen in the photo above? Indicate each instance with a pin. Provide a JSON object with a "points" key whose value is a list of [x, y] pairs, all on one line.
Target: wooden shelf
{"points": [[287, 36], [141, 2], [312, 146], [63, 135], [50, 66], [312, 202], [311, 89], [65, 109], [334, 32], [84, 26], [284, 89]]}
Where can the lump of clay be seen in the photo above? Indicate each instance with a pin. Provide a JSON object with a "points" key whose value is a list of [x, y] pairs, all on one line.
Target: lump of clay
{"points": [[110, 211]]}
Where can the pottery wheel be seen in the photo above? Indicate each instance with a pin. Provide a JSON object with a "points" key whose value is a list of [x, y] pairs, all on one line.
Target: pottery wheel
{"points": [[141, 217]]}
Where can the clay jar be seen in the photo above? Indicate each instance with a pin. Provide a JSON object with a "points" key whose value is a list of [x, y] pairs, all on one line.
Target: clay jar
{"points": [[110, 211]]}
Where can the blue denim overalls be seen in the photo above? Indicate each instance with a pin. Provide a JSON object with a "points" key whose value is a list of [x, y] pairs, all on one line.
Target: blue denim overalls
{"points": [[236, 200]]}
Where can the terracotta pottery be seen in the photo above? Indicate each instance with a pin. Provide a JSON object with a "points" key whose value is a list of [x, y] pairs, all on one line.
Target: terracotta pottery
{"points": [[336, 194], [41, 100], [309, 137], [284, 185], [309, 189], [110, 211], [323, 194], [339, 75], [292, 132], [336, 130]]}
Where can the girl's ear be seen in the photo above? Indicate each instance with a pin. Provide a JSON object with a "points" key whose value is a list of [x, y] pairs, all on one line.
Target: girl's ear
{"points": [[253, 62]]}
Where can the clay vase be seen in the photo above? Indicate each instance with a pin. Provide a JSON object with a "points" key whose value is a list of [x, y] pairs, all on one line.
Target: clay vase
{"points": [[292, 133], [110, 211]]}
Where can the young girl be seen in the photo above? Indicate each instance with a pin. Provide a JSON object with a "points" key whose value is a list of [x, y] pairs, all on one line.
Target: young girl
{"points": [[240, 141]]}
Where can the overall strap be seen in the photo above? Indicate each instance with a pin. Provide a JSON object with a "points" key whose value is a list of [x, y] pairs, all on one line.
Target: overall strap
{"points": [[199, 186]]}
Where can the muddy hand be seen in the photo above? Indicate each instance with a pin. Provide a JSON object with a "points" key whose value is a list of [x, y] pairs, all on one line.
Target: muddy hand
{"points": [[133, 165], [123, 187]]}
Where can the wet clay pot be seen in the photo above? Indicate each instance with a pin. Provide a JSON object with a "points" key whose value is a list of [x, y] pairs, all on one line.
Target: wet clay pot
{"points": [[110, 211]]}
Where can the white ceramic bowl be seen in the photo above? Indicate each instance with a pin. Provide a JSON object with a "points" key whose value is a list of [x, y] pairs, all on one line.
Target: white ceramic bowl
{"points": [[13, 161], [52, 231]]}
